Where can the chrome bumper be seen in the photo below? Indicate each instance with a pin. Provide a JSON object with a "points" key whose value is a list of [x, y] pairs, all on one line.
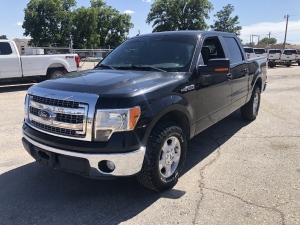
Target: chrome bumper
{"points": [[126, 164]]}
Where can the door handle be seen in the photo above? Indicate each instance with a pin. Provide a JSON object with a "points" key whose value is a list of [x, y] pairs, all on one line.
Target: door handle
{"points": [[246, 71]]}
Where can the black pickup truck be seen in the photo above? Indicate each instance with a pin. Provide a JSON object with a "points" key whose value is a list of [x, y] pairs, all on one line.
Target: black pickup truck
{"points": [[135, 111]]}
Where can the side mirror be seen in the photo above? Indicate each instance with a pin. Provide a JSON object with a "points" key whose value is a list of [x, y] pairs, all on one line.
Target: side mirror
{"points": [[215, 66]]}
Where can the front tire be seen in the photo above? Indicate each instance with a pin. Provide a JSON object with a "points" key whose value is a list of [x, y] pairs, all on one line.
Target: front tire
{"points": [[250, 110], [165, 156]]}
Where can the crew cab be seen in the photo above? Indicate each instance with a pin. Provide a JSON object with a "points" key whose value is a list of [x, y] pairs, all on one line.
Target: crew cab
{"points": [[133, 114], [15, 66]]}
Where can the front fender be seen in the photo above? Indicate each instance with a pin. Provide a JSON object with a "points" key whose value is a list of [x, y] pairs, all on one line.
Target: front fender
{"points": [[168, 104]]}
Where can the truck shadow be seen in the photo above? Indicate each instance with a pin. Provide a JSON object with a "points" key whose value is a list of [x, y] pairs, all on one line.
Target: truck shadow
{"points": [[34, 194]]}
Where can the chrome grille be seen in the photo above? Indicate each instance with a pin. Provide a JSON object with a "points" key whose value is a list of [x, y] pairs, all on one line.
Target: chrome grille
{"points": [[71, 113], [61, 117]]}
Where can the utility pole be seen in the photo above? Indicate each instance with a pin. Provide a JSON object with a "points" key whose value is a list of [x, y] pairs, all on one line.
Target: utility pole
{"points": [[286, 27], [269, 38]]}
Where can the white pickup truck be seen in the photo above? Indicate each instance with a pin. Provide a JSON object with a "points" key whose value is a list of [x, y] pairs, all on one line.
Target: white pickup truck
{"points": [[288, 57], [273, 57], [13, 66]]}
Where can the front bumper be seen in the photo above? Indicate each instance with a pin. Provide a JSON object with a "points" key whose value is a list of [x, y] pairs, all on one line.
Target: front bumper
{"points": [[86, 164]]}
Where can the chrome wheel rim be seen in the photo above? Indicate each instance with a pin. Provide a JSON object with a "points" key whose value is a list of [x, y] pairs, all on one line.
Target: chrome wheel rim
{"points": [[169, 157], [255, 103]]}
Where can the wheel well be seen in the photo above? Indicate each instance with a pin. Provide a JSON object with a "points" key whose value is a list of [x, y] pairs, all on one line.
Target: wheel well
{"points": [[51, 69], [181, 119], [259, 83]]}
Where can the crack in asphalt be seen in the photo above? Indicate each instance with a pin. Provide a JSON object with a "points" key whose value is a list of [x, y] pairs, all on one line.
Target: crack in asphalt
{"points": [[201, 180], [202, 183], [274, 209]]}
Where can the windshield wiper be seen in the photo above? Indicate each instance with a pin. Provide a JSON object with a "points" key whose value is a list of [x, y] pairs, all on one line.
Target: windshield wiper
{"points": [[105, 66], [145, 67]]}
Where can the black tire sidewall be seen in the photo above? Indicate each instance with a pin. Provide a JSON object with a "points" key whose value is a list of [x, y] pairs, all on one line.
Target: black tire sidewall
{"points": [[53, 74], [256, 90], [150, 175]]}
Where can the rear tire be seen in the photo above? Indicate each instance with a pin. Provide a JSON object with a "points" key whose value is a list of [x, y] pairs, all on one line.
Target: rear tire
{"points": [[250, 110], [288, 65], [55, 74], [165, 156]]}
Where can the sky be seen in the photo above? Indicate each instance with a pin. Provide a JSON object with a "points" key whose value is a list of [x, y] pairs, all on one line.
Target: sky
{"points": [[257, 17]]}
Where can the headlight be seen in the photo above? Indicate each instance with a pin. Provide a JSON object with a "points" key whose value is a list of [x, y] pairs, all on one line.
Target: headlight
{"points": [[114, 120]]}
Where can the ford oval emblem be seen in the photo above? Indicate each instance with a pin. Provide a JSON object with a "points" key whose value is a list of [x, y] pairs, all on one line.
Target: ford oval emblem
{"points": [[46, 114]]}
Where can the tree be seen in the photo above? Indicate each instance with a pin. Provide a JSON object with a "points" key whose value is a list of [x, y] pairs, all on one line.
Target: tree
{"points": [[266, 40], [49, 22], [112, 26], [225, 22], [168, 15], [3, 37], [84, 32]]}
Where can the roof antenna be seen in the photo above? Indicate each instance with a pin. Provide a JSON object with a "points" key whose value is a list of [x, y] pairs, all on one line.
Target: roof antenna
{"points": [[139, 32]]}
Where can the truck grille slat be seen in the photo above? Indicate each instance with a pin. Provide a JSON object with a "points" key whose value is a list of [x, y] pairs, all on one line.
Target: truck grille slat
{"points": [[55, 102], [56, 130]]}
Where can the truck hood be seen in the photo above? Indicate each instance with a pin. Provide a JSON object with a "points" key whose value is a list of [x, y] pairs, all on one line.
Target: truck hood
{"points": [[114, 82]]}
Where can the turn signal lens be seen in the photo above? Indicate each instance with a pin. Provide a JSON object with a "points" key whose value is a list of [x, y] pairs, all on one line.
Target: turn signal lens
{"points": [[134, 116]]}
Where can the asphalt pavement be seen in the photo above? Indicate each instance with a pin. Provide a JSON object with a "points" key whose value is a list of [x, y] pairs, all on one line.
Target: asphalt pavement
{"points": [[237, 172]]}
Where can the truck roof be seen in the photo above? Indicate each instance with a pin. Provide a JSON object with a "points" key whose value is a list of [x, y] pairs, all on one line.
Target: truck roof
{"points": [[185, 32]]}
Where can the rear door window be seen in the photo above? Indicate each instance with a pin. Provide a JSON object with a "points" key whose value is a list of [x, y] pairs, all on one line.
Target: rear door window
{"points": [[234, 51], [5, 48]]}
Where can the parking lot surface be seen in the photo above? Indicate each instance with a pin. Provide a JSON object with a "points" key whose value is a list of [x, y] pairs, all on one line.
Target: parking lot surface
{"points": [[237, 172]]}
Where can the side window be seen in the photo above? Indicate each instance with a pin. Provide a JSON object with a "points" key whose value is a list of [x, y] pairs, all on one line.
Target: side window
{"points": [[211, 49], [5, 48], [235, 54]]}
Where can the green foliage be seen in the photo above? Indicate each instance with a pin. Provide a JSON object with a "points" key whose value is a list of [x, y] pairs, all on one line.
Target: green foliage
{"points": [[112, 26], [49, 22], [168, 15], [85, 23], [53, 22], [225, 22], [266, 40], [3, 37]]}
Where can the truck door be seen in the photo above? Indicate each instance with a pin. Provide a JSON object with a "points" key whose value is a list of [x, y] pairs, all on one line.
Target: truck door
{"points": [[239, 68], [9, 61], [213, 90]]}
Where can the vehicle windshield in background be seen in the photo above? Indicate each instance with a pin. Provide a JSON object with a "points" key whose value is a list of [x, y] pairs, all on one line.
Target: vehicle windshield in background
{"points": [[290, 52], [160, 53], [274, 51], [259, 50], [249, 50]]}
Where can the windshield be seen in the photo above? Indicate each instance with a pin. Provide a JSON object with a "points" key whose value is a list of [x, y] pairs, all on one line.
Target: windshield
{"points": [[274, 51], [248, 50], [168, 53], [259, 50], [290, 51]]}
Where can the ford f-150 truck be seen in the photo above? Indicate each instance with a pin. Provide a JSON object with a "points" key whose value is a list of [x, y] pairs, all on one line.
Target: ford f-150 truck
{"points": [[14, 66], [135, 111]]}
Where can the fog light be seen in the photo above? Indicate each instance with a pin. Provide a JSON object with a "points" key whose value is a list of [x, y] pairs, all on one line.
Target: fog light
{"points": [[106, 166], [110, 165]]}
